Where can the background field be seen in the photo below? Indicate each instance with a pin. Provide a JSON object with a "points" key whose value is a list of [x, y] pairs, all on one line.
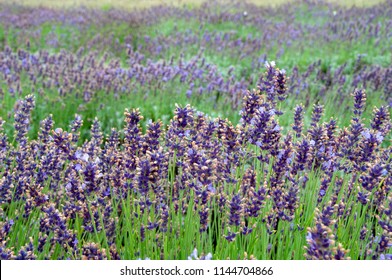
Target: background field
{"points": [[106, 4]]}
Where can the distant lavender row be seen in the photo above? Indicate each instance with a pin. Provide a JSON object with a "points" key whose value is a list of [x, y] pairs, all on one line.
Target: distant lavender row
{"points": [[140, 63], [336, 23], [276, 29], [244, 191], [85, 76]]}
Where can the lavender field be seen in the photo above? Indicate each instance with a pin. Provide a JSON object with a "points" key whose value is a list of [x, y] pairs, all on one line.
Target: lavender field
{"points": [[213, 131]]}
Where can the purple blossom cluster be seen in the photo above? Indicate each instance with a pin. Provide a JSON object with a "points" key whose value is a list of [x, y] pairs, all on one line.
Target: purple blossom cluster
{"points": [[84, 77], [193, 167]]}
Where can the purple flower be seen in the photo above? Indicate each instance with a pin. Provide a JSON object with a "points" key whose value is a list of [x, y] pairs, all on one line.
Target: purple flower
{"points": [[298, 120], [235, 210], [359, 102], [203, 213], [76, 124], [381, 120], [230, 236], [132, 130], [26, 252], [92, 251], [252, 101], [22, 119], [316, 114]]}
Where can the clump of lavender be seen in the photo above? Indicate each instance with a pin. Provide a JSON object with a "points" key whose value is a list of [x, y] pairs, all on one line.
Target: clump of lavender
{"points": [[316, 115], [6, 253], [151, 139], [22, 119], [280, 84], [46, 127], [62, 141], [5, 228], [55, 222], [385, 221], [132, 131], [264, 132], [204, 214], [179, 129], [236, 210], [356, 127], [303, 156], [252, 101], [298, 120], [321, 243], [6, 187], [75, 125], [255, 197], [92, 251], [94, 146], [26, 252], [381, 121]]}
